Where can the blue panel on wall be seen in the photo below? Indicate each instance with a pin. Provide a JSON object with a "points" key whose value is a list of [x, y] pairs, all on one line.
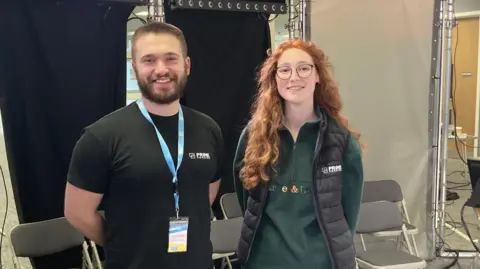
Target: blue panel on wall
{"points": [[131, 81]]}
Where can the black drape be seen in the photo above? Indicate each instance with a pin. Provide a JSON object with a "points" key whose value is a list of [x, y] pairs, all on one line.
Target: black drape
{"points": [[63, 67], [226, 49]]}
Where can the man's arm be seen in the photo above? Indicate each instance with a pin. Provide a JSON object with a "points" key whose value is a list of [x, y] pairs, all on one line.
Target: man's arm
{"points": [[220, 155], [81, 211], [87, 180], [213, 191]]}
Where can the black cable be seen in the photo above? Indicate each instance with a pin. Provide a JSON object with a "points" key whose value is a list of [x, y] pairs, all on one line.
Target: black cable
{"points": [[455, 260], [451, 221], [454, 91], [274, 17], [442, 244], [460, 187], [2, 231], [465, 226], [454, 107], [136, 17]]}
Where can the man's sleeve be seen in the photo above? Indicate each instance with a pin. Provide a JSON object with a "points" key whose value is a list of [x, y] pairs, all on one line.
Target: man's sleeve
{"points": [[89, 165], [220, 153], [352, 183]]}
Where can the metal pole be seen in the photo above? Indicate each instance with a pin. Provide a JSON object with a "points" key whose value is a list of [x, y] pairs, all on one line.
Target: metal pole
{"points": [[291, 20], [438, 160], [302, 18], [437, 78], [449, 23], [156, 11]]}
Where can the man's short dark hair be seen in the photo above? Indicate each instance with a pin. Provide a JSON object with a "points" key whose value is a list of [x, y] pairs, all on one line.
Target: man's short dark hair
{"points": [[159, 28]]}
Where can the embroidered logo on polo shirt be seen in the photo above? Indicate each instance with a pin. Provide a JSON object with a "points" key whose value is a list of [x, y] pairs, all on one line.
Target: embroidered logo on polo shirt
{"points": [[199, 156]]}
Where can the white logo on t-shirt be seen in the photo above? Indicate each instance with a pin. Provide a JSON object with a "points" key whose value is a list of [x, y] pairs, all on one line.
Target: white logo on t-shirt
{"points": [[199, 155]]}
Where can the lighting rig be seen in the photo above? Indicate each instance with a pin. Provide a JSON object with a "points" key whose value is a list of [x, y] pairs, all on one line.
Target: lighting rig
{"points": [[295, 9]]}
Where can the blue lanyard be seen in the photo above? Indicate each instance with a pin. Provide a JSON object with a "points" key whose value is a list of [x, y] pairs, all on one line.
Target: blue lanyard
{"points": [[166, 151]]}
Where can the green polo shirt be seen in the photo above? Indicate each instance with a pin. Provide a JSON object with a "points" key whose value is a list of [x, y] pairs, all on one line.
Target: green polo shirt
{"points": [[288, 236]]}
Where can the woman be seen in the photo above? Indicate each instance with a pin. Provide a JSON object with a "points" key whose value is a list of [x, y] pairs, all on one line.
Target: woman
{"points": [[298, 168]]}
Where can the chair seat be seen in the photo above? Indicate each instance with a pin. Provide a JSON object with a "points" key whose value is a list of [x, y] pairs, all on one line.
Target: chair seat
{"points": [[216, 256], [390, 258], [411, 229]]}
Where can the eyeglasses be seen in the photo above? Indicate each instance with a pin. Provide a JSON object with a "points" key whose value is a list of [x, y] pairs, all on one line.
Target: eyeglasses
{"points": [[303, 71]]}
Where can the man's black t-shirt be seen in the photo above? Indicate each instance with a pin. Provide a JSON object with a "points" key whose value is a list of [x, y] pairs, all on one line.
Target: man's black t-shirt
{"points": [[121, 157]]}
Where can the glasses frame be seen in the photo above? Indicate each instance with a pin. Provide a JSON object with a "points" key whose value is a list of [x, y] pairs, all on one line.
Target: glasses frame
{"points": [[296, 70]]}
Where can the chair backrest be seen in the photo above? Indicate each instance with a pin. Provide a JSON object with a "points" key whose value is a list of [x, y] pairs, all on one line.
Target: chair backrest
{"points": [[230, 206], [382, 190], [378, 217], [225, 235], [44, 238]]}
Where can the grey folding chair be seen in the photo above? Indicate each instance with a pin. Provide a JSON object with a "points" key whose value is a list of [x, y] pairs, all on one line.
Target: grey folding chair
{"points": [[230, 206], [389, 190], [96, 256], [384, 216], [47, 237], [224, 236]]}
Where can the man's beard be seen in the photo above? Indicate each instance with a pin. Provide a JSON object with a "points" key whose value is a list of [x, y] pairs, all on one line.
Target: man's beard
{"points": [[164, 97]]}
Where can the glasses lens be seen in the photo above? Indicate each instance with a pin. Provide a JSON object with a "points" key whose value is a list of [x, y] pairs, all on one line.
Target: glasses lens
{"points": [[304, 70], [284, 72]]}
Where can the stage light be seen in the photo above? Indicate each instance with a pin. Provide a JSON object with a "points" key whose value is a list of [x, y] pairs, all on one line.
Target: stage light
{"points": [[266, 6], [231, 5], [133, 2]]}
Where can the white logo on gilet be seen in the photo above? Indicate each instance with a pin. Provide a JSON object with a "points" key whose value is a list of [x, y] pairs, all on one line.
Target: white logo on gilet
{"points": [[332, 169]]}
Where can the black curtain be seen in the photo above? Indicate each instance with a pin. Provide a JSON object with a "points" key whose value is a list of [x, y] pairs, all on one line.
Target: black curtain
{"points": [[226, 49], [63, 67]]}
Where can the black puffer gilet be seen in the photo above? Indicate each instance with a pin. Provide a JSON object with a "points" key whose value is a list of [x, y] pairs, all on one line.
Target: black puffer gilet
{"points": [[332, 143]]}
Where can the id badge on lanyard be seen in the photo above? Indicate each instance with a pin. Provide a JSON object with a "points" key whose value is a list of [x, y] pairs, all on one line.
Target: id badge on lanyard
{"points": [[178, 226]]}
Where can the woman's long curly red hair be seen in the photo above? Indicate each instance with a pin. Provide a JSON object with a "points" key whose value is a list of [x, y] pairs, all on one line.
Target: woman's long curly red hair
{"points": [[262, 150]]}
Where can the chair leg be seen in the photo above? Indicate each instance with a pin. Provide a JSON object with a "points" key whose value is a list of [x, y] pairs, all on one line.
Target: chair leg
{"points": [[223, 263], [472, 266], [86, 255], [405, 237], [415, 249], [96, 256], [363, 243], [399, 242], [407, 218], [229, 263], [15, 262]]}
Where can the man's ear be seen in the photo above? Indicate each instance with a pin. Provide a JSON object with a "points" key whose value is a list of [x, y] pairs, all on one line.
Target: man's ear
{"points": [[187, 65]]}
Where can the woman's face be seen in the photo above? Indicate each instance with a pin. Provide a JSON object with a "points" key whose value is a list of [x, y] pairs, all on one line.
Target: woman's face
{"points": [[296, 76]]}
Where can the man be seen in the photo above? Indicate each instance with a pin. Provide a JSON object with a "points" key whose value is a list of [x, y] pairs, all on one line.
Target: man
{"points": [[128, 160]]}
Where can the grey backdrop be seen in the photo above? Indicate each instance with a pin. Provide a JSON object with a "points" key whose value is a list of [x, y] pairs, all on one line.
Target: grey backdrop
{"points": [[381, 51], [467, 5]]}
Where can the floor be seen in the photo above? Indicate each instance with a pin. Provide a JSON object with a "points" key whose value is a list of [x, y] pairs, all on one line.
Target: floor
{"points": [[454, 236]]}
